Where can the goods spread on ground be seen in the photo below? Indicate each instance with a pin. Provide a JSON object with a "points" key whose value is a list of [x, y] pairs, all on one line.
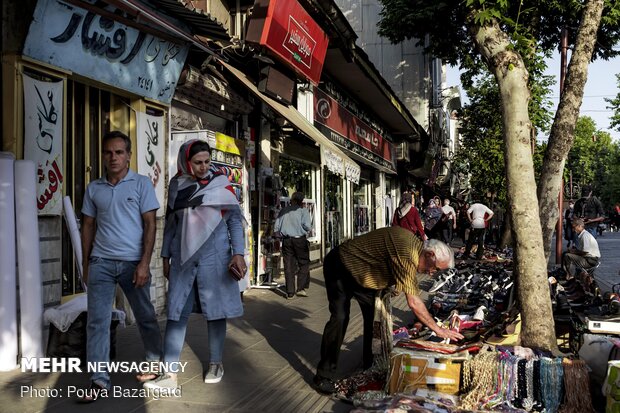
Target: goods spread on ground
{"points": [[417, 372]]}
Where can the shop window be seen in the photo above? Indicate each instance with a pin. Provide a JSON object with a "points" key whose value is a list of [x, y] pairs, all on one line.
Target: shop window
{"points": [[91, 112], [297, 176], [361, 208], [390, 200], [334, 207]]}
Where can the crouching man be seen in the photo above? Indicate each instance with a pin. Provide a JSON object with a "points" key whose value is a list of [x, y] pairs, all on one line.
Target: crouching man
{"points": [[585, 254], [362, 267]]}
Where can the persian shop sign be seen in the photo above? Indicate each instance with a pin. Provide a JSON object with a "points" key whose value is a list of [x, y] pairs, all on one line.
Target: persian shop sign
{"points": [[105, 50], [349, 131], [287, 30]]}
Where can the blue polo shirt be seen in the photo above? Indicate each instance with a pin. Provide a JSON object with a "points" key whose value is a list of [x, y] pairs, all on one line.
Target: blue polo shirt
{"points": [[118, 210]]}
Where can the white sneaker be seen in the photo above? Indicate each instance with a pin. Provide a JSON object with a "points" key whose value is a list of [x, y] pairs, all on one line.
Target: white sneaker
{"points": [[165, 381], [215, 373]]}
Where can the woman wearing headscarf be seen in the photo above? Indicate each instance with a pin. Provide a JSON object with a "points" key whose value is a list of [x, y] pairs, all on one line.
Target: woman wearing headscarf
{"points": [[407, 216], [202, 250]]}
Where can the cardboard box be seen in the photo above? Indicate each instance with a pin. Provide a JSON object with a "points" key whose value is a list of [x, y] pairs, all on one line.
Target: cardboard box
{"points": [[603, 325], [429, 371], [611, 388]]}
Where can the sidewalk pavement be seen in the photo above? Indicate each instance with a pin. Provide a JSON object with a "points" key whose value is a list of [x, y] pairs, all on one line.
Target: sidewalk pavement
{"points": [[269, 361]]}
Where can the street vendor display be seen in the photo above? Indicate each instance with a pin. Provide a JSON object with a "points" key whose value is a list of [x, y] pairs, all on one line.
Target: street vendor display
{"points": [[425, 374]]}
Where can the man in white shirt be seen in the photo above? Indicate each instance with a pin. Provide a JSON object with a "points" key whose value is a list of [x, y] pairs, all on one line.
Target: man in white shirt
{"points": [[585, 254], [478, 214], [448, 221]]}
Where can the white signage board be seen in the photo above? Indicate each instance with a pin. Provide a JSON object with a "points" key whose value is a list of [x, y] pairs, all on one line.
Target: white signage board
{"points": [[43, 105], [151, 141], [105, 50]]}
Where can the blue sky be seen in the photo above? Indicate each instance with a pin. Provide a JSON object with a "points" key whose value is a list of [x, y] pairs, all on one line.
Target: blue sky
{"points": [[601, 84]]}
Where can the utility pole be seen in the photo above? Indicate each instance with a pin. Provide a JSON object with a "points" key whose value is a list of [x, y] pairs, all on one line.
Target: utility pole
{"points": [[558, 228]]}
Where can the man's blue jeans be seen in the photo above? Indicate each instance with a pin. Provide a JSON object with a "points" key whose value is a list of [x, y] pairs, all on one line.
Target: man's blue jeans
{"points": [[103, 275]]}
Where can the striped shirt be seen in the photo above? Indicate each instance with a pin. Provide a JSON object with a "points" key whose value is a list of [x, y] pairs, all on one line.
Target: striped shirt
{"points": [[384, 257]]}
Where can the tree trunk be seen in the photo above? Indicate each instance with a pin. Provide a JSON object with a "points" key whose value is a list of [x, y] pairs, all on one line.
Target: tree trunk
{"points": [[563, 129], [537, 329]]}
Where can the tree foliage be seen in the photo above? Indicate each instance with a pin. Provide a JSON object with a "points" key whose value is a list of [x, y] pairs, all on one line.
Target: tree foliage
{"points": [[614, 105], [482, 154], [535, 25], [594, 160]]}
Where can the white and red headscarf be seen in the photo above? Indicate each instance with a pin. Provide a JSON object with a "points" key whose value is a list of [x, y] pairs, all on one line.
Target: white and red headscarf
{"points": [[204, 201]]}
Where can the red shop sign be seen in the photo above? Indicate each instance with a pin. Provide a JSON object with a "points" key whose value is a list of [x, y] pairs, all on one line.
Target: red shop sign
{"points": [[287, 30], [346, 129]]}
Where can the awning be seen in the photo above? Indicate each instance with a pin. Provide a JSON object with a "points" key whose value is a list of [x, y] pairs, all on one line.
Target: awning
{"points": [[145, 12], [331, 156], [202, 23]]}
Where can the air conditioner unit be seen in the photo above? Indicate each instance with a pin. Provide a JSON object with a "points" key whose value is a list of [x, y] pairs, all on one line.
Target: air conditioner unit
{"points": [[402, 151]]}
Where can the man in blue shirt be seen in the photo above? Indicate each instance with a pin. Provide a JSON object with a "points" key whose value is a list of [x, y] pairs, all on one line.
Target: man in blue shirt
{"points": [[293, 223], [118, 235]]}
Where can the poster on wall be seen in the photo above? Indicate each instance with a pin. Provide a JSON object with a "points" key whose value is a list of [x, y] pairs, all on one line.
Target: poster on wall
{"points": [[151, 153], [309, 204], [361, 219], [43, 106]]}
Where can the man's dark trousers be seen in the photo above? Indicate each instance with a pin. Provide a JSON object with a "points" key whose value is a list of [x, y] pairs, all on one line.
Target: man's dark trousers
{"points": [[341, 288], [476, 235], [296, 255]]}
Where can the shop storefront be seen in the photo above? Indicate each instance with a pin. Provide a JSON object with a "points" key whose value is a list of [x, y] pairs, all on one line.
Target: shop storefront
{"points": [[282, 159], [364, 197], [81, 75]]}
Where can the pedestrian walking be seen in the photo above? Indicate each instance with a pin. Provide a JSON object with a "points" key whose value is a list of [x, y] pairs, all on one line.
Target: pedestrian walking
{"points": [[432, 217], [478, 215], [463, 223], [590, 209], [407, 216], [448, 221], [202, 251], [293, 224], [118, 235]]}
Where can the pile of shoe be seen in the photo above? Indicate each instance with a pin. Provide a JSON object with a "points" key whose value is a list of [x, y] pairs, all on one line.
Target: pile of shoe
{"points": [[477, 295], [574, 293], [490, 254], [470, 287]]}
